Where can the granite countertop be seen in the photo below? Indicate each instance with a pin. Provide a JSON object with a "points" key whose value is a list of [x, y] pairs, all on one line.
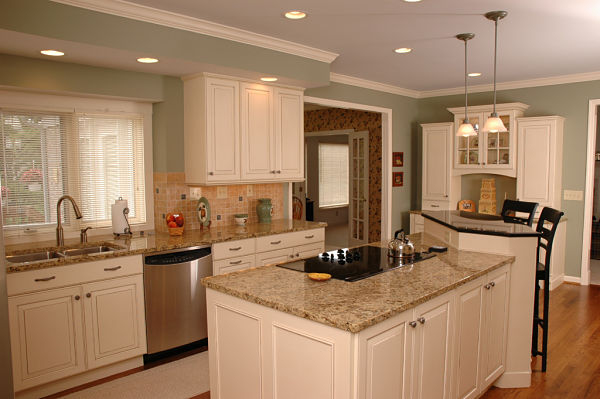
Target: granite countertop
{"points": [[479, 223], [153, 242], [354, 306]]}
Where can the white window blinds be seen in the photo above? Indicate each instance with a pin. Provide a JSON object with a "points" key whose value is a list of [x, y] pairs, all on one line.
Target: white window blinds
{"points": [[96, 158], [333, 175]]}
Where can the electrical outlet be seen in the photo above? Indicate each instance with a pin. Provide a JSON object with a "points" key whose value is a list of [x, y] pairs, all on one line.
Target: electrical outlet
{"points": [[573, 195], [221, 192], [195, 193], [249, 190]]}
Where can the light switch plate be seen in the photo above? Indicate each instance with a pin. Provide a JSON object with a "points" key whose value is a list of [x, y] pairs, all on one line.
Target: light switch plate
{"points": [[221, 192], [249, 190], [573, 195], [195, 193]]}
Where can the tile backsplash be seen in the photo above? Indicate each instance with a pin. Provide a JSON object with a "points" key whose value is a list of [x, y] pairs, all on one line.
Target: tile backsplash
{"points": [[171, 194]]}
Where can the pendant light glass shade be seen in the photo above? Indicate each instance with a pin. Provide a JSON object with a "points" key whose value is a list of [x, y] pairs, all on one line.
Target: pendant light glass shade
{"points": [[494, 124], [466, 129]]}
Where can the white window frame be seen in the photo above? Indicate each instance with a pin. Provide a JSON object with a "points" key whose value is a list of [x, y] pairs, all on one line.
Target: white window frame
{"points": [[27, 101]]}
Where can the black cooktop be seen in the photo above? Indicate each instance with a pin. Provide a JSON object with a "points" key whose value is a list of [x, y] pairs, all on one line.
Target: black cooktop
{"points": [[354, 264]]}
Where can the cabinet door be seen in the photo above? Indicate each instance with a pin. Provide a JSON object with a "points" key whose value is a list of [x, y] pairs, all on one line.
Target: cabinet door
{"points": [[436, 161], [46, 333], [258, 138], [225, 266], [222, 130], [469, 319], [289, 134], [432, 349], [115, 327], [495, 328], [274, 257], [468, 149], [499, 147]]}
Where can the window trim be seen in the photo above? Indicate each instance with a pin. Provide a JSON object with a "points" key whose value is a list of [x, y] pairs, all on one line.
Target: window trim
{"points": [[331, 206], [27, 101]]}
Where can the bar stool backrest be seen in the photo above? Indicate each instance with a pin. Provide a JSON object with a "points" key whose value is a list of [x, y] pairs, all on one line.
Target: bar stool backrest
{"points": [[547, 224], [511, 207]]}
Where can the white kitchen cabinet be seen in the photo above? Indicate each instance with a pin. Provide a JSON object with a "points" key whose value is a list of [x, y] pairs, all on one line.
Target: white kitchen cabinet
{"points": [[46, 331], [114, 320], [242, 132], [416, 223], [211, 130], [437, 162], [96, 314], [274, 257], [487, 152], [539, 176], [234, 264]]}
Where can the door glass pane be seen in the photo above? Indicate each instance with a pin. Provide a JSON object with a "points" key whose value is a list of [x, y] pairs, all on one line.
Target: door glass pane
{"points": [[355, 210], [492, 157], [361, 230], [473, 157], [473, 142], [361, 208], [503, 156], [492, 140], [462, 157], [361, 189], [354, 148], [503, 140], [361, 148], [462, 142]]}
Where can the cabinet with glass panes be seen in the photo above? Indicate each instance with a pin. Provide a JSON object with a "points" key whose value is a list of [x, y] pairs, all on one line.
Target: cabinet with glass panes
{"points": [[487, 152]]}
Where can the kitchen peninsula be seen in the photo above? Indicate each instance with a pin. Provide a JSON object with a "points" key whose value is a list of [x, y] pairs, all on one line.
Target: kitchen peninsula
{"points": [[407, 332], [489, 233]]}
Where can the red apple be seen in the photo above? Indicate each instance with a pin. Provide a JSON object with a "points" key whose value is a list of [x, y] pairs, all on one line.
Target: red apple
{"points": [[172, 224], [179, 220]]}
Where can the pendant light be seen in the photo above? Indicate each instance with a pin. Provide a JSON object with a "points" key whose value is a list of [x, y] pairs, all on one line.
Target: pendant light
{"points": [[466, 129], [494, 124]]}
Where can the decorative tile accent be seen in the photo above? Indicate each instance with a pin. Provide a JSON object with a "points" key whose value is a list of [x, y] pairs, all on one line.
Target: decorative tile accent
{"points": [[172, 194], [339, 119]]}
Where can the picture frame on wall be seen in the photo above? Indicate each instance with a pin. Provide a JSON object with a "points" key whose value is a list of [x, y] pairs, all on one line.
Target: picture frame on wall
{"points": [[397, 179], [397, 159]]}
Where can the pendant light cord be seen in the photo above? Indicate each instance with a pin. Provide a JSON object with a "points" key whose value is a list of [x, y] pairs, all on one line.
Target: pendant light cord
{"points": [[466, 116], [495, 59]]}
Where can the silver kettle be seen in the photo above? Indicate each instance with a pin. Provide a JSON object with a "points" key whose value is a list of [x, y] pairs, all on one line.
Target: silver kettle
{"points": [[400, 246]]}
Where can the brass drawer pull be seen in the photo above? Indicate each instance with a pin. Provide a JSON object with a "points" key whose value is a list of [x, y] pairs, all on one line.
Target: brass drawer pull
{"points": [[237, 262], [275, 242], [111, 269], [235, 249], [45, 278], [309, 237]]}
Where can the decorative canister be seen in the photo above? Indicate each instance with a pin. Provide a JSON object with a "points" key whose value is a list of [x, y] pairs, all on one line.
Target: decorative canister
{"points": [[264, 210]]}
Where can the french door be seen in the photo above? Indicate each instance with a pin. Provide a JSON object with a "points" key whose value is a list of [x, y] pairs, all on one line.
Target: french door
{"points": [[358, 217]]}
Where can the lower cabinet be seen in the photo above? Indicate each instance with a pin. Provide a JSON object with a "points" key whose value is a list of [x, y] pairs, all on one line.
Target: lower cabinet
{"points": [[279, 256], [229, 265], [60, 332]]}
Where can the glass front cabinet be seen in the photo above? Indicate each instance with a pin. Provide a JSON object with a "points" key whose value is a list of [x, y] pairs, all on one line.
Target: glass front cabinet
{"points": [[487, 152]]}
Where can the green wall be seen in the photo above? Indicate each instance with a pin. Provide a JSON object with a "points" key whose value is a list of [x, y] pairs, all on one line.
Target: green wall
{"points": [[568, 100]]}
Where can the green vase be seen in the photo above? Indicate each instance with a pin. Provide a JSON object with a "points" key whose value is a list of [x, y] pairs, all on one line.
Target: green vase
{"points": [[264, 210]]}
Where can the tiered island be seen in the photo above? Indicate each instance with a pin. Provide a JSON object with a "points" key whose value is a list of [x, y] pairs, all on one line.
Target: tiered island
{"points": [[438, 329]]}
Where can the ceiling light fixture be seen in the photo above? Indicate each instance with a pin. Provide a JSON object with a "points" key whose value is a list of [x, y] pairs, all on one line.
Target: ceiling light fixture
{"points": [[466, 129], [494, 124], [52, 53], [403, 50], [412, 1], [295, 14], [474, 74], [269, 79], [147, 60]]}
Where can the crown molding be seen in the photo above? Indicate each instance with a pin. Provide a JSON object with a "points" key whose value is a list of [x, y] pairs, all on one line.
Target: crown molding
{"points": [[369, 84], [178, 21]]}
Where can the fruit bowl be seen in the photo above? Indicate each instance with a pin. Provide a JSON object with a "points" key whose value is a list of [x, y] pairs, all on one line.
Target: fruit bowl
{"points": [[175, 222]]}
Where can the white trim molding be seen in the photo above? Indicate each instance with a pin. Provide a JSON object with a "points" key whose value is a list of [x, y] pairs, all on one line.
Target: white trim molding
{"points": [[575, 280], [178, 21], [369, 84]]}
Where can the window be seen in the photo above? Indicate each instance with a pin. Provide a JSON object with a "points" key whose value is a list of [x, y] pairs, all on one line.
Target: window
{"points": [[94, 157], [333, 175]]}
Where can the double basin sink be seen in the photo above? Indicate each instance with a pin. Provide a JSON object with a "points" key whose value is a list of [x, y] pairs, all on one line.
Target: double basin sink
{"points": [[59, 253]]}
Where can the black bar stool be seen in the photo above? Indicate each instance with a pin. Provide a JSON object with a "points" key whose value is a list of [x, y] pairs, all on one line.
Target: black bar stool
{"points": [[511, 207], [546, 225]]}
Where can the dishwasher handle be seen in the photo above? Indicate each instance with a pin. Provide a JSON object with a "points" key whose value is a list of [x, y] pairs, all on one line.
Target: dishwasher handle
{"points": [[174, 258]]}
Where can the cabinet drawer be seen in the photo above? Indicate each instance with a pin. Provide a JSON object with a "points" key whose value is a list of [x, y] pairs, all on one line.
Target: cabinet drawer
{"points": [[428, 205], [230, 249], [276, 257], [286, 240], [307, 237], [76, 273], [308, 250], [225, 266]]}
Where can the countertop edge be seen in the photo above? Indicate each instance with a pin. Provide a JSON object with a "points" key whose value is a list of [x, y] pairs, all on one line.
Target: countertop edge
{"points": [[480, 232]]}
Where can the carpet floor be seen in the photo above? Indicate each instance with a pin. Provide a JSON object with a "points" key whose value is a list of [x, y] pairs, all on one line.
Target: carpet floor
{"points": [[180, 379]]}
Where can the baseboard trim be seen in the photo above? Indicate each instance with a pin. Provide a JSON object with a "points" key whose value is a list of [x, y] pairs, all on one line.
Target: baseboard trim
{"points": [[556, 281], [514, 380], [573, 280]]}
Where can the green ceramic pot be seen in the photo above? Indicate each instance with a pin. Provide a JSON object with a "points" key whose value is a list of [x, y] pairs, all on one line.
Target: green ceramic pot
{"points": [[264, 210]]}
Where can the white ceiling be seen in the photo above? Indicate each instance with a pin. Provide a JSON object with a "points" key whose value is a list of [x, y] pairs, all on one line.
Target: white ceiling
{"points": [[538, 38]]}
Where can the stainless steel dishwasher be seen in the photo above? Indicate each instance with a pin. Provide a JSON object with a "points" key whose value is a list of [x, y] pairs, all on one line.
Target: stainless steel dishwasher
{"points": [[175, 298]]}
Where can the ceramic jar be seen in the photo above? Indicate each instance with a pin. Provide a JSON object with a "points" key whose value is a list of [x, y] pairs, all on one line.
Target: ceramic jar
{"points": [[264, 210]]}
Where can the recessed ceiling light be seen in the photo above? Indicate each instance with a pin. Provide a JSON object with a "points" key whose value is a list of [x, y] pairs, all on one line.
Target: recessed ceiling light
{"points": [[53, 53], [147, 60], [474, 74], [268, 79], [295, 14], [412, 1], [403, 50]]}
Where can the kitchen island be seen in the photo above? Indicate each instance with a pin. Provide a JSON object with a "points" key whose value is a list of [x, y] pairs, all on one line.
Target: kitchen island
{"points": [[432, 330], [489, 233]]}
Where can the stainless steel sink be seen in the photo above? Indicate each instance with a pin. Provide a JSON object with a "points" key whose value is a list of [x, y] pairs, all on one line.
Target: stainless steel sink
{"points": [[99, 249], [34, 257]]}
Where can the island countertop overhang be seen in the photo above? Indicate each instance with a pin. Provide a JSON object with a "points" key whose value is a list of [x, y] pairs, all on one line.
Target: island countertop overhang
{"points": [[477, 223]]}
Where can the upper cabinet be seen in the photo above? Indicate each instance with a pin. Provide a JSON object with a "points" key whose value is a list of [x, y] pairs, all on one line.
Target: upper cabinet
{"points": [[437, 162], [487, 152], [242, 132]]}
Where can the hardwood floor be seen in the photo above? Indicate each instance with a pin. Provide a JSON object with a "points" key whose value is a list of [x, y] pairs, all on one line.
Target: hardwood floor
{"points": [[573, 349]]}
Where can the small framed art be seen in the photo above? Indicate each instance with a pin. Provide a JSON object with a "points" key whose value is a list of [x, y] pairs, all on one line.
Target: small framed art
{"points": [[397, 159], [397, 179]]}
